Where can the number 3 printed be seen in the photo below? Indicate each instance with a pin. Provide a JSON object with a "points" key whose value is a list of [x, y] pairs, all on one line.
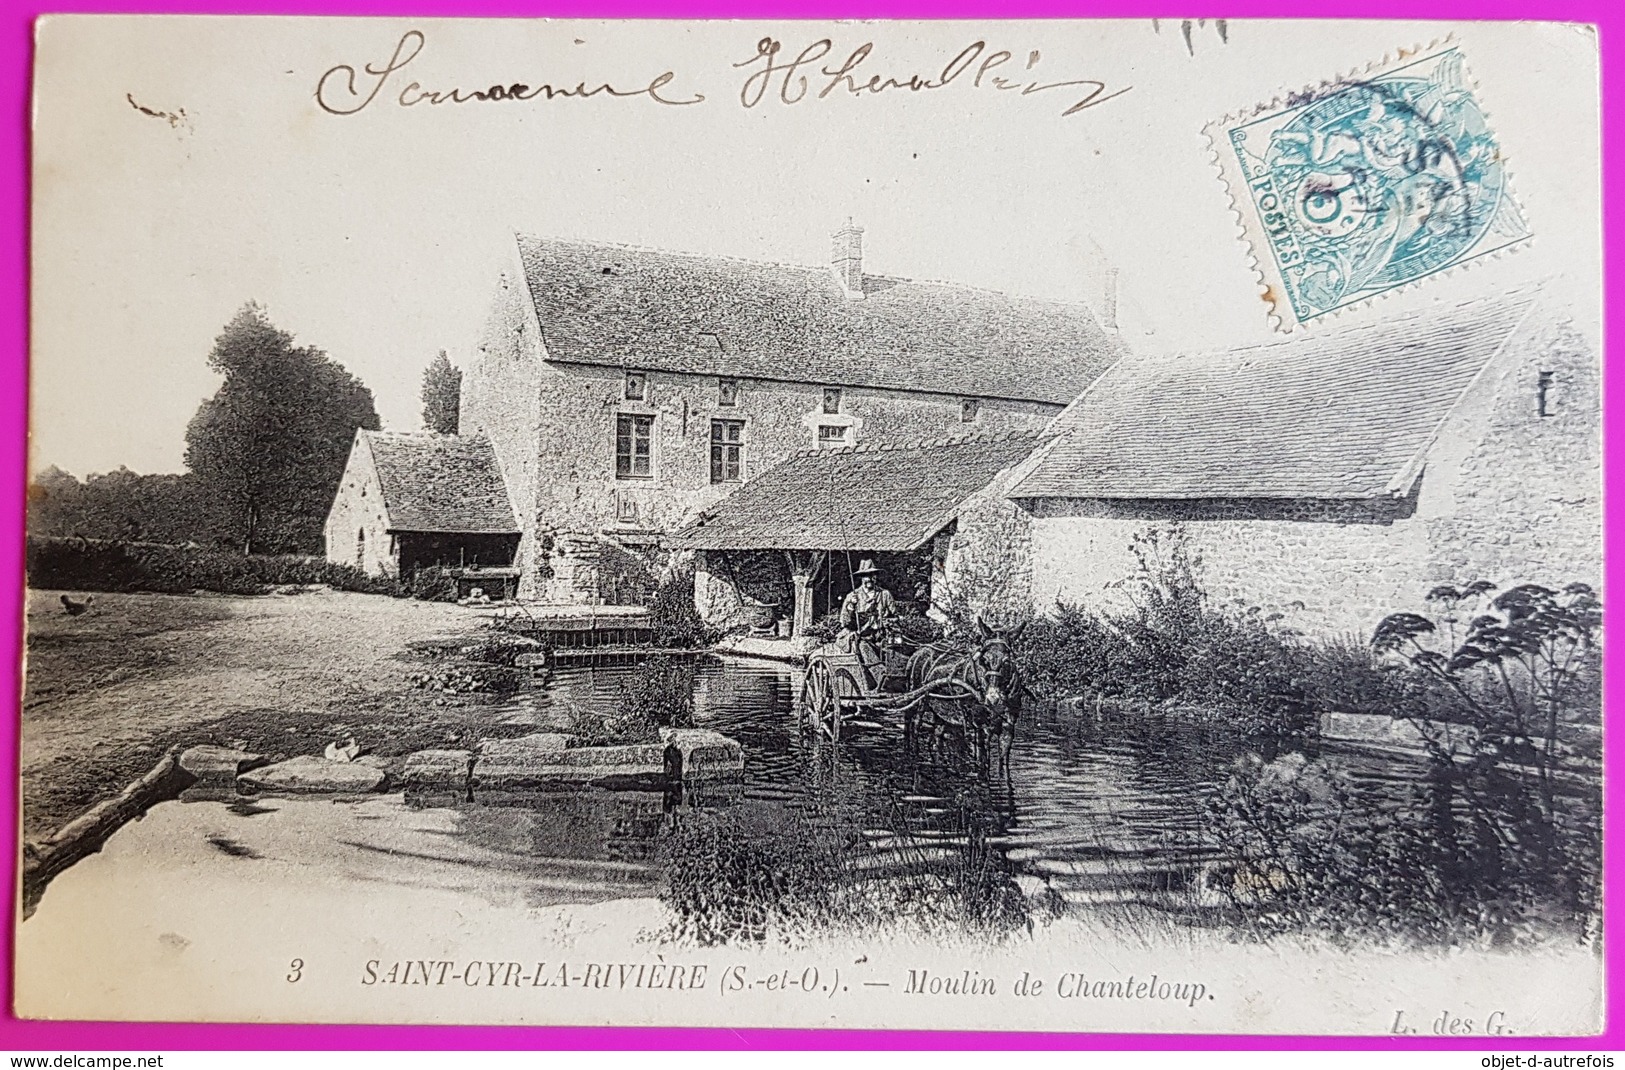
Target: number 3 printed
{"points": [[296, 970]]}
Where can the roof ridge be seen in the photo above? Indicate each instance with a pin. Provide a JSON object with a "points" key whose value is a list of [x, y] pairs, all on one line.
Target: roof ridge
{"points": [[816, 269], [897, 445], [422, 433], [1527, 292]]}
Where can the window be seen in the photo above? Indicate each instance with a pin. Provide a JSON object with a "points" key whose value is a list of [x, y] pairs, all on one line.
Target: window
{"points": [[1545, 395], [633, 450], [831, 436], [728, 392], [727, 451], [968, 408], [361, 548], [832, 399], [636, 386]]}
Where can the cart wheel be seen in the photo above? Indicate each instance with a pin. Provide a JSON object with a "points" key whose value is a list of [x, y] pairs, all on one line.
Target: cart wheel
{"points": [[818, 703], [843, 687]]}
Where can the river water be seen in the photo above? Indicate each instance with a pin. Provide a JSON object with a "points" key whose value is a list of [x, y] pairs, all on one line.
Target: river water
{"points": [[1091, 810]]}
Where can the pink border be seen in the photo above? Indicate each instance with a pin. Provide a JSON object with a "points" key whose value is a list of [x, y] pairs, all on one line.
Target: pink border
{"points": [[15, 63]]}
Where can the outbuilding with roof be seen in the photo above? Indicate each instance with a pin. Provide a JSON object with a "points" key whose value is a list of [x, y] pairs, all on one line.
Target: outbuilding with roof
{"points": [[1334, 478], [411, 500], [793, 537]]}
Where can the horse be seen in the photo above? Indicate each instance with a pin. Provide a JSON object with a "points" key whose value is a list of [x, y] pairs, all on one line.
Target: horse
{"points": [[975, 692]]}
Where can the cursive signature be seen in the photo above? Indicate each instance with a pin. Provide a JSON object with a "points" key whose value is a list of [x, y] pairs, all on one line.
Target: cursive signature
{"points": [[973, 65], [342, 90]]}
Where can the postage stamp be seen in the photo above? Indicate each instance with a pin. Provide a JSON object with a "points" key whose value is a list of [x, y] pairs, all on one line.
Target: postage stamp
{"points": [[705, 542], [1367, 185]]}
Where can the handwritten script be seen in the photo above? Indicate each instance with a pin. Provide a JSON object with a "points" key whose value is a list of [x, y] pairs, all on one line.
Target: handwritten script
{"points": [[972, 65], [342, 90], [771, 74]]}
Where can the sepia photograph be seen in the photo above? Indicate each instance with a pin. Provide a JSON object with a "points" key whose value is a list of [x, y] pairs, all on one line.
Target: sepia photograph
{"points": [[1063, 526]]}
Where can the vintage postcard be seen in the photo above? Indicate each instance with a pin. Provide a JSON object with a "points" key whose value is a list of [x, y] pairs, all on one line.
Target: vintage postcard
{"points": [[1066, 526]]}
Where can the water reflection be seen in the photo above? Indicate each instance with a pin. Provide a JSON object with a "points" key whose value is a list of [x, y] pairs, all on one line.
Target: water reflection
{"points": [[1088, 811]]}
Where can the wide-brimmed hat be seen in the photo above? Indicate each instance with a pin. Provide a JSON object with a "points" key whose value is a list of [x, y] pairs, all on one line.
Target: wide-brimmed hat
{"points": [[866, 567]]}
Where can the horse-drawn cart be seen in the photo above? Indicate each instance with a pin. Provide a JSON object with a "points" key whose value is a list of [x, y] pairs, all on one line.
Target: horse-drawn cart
{"points": [[842, 686], [974, 691]]}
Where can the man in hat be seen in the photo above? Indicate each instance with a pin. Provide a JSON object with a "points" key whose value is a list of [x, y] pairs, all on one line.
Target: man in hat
{"points": [[866, 617]]}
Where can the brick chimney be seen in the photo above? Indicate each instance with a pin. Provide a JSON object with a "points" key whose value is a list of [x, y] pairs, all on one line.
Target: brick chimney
{"points": [[846, 259]]}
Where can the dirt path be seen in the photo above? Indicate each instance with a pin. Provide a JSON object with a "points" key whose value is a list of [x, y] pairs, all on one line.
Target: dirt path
{"points": [[108, 690]]}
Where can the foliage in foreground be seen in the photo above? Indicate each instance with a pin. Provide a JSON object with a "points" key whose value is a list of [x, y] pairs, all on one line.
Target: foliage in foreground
{"points": [[742, 875], [1500, 840], [91, 565]]}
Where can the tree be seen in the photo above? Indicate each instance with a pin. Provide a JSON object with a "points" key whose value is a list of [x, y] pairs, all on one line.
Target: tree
{"points": [[122, 504], [442, 391], [273, 441]]}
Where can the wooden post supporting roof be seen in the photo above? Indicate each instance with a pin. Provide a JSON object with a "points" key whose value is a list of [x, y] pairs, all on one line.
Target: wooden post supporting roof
{"points": [[804, 566]]}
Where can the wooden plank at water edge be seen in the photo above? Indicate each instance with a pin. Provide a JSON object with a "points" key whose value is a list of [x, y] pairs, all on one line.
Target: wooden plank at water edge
{"points": [[596, 653]]}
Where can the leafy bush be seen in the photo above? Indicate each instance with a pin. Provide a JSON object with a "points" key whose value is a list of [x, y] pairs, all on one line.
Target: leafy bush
{"points": [[1073, 652], [1499, 843], [1518, 668], [659, 694], [434, 583], [824, 628], [1309, 852], [731, 878], [92, 565], [672, 614]]}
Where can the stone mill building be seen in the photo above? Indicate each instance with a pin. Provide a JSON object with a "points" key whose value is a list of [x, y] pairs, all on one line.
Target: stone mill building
{"points": [[617, 393]]}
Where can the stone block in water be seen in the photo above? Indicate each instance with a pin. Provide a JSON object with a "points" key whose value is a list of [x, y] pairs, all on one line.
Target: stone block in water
{"points": [[218, 766], [1392, 733], [310, 775], [706, 755], [545, 759], [437, 770]]}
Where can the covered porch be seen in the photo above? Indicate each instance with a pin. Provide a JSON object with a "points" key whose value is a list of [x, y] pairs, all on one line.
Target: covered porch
{"points": [[786, 546]]}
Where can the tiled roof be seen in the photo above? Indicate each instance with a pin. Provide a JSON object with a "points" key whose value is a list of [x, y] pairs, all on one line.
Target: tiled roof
{"points": [[625, 307], [872, 497], [440, 483], [1339, 415]]}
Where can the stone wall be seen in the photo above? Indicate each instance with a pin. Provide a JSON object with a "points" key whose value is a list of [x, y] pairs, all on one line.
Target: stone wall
{"points": [[1325, 568], [984, 564], [1506, 495], [718, 597], [358, 509], [1522, 501], [578, 487], [501, 388]]}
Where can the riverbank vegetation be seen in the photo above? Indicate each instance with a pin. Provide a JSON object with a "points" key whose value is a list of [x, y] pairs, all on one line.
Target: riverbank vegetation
{"points": [[1497, 842], [1500, 842], [790, 874], [658, 693], [75, 564], [1176, 650]]}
